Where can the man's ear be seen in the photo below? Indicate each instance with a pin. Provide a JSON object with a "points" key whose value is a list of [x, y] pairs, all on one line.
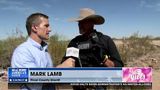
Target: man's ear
{"points": [[34, 28]]}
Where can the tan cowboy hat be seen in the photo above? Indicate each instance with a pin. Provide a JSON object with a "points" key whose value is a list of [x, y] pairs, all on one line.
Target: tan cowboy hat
{"points": [[89, 14]]}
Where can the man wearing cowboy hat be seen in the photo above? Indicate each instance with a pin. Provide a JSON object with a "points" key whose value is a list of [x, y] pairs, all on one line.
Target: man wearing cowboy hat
{"points": [[95, 48]]}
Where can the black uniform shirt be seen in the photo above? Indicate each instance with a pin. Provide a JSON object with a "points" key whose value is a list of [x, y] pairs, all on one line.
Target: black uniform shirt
{"points": [[89, 57]]}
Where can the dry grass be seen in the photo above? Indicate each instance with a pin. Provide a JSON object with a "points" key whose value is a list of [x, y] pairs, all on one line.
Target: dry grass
{"points": [[134, 50]]}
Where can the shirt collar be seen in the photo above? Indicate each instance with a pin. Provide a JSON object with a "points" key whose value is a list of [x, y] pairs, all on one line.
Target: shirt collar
{"points": [[37, 45]]}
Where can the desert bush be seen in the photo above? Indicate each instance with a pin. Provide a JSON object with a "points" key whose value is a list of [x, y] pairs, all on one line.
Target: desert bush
{"points": [[6, 49], [156, 38], [57, 48], [134, 47]]}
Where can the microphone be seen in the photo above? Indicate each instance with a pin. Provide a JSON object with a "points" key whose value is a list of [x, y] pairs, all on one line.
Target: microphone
{"points": [[73, 52]]}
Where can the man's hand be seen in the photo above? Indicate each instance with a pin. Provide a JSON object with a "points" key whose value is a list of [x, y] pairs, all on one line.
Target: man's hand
{"points": [[109, 63], [70, 62]]}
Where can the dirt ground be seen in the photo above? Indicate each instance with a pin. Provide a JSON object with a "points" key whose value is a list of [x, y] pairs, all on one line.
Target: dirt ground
{"points": [[156, 80], [3, 85]]}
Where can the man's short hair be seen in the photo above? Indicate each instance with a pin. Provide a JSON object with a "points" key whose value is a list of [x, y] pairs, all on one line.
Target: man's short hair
{"points": [[34, 19]]}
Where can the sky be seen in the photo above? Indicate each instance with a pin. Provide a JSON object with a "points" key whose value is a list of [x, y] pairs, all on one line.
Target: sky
{"points": [[122, 17]]}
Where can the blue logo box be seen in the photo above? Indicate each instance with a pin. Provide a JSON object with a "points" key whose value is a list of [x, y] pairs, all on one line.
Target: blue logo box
{"points": [[18, 75]]}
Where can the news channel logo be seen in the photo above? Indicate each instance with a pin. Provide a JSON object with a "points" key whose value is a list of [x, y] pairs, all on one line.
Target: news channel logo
{"points": [[18, 75]]}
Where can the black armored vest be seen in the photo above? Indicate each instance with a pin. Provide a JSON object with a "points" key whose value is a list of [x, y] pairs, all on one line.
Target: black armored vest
{"points": [[91, 52]]}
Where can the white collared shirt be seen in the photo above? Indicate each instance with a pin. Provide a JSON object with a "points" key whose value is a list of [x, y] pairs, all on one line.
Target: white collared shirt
{"points": [[31, 54]]}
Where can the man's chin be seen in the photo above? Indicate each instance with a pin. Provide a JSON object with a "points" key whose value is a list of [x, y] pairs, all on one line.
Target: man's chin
{"points": [[45, 38], [81, 33]]}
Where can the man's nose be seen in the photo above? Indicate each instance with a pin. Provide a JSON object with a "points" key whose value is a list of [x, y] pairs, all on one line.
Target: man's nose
{"points": [[49, 29]]}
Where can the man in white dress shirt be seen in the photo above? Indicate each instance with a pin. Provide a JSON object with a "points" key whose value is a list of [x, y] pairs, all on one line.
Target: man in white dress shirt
{"points": [[33, 52]]}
